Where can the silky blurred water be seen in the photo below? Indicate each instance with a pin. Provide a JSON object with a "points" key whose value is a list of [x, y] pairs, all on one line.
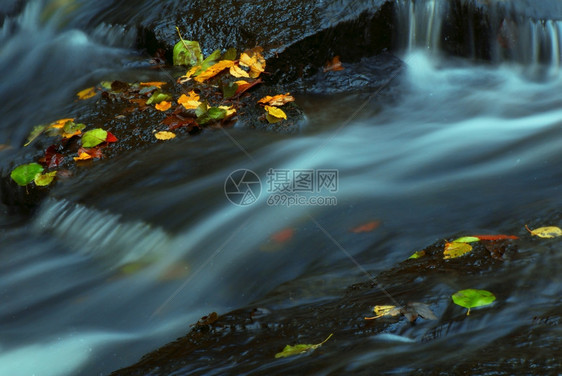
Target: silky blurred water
{"points": [[122, 259]]}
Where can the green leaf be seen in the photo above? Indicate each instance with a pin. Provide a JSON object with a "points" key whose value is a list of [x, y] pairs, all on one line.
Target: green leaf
{"points": [[106, 85], [71, 127], [471, 298], [299, 349], [208, 62], [158, 97], [417, 255], [230, 54], [43, 180], [36, 132], [466, 239], [213, 114], [24, 174], [201, 109], [187, 52], [228, 90], [93, 138]]}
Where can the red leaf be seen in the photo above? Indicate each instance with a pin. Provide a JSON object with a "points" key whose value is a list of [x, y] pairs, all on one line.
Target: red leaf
{"points": [[366, 227], [110, 137], [243, 88], [52, 158], [93, 152], [495, 237], [283, 235], [176, 121]]}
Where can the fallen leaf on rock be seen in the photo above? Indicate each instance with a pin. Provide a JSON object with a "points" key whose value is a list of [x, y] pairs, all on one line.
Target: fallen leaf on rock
{"points": [[36, 132], [333, 65], [411, 311], [157, 84], [111, 137], [471, 298], [190, 101], [186, 52], [83, 157], [548, 232], [94, 137], [71, 129], [92, 152], [25, 174], [158, 97], [454, 250], [366, 227], [274, 114], [42, 180], [466, 239], [254, 60], [238, 72], [244, 86], [163, 106], [299, 349], [60, 123], [51, 158], [230, 110], [87, 93], [213, 70], [277, 100], [164, 135], [495, 237], [417, 255]]}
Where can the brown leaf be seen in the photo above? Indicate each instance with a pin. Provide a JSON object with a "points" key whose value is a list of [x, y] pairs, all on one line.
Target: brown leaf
{"points": [[333, 65]]}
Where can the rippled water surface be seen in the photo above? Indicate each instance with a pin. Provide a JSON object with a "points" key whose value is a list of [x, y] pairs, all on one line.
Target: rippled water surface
{"points": [[122, 259]]}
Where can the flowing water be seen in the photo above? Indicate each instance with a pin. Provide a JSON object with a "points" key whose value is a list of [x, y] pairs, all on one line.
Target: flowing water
{"points": [[122, 260]]}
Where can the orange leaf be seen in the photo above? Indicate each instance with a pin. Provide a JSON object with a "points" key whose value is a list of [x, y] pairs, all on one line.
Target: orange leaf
{"points": [[333, 65], [157, 84], [60, 123], [254, 60], [366, 227], [277, 100], [213, 70], [163, 106], [283, 235], [83, 157], [190, 101], [69, 135]]}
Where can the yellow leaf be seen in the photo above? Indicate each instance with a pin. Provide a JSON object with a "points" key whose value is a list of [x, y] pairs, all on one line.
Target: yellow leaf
{"points": [[548, 232], [277, 100], [157, 84], [163, 106], [276, 112], [69, 135], [213, 70], [229, 111], [190, 101], [254, 60], [60, 123], [384, 310], [164, 135], [454, 250], [83, 157], [238, 72], [241, 82], [87, 93], [187, 76]]}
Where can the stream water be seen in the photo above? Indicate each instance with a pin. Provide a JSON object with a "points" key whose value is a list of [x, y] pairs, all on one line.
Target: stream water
{"points": [[121, 261]]}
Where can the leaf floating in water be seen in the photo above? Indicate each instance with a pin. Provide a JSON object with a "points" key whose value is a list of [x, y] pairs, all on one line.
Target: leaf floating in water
{"points": [[87, 93], [471, 298], [299, 349], [283, 235], [384, 310], [275, 114], [164, 135], [366, 227], [333, 65], [454, 250], [36, 132], [42, 180], [548, 232], [25, 174]]}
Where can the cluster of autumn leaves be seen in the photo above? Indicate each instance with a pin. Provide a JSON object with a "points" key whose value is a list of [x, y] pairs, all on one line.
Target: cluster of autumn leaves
{"points": [[467, 298], [237, 76]]}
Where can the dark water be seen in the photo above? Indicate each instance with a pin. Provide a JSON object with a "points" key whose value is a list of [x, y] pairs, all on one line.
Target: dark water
{"points": [[465, 148]]}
